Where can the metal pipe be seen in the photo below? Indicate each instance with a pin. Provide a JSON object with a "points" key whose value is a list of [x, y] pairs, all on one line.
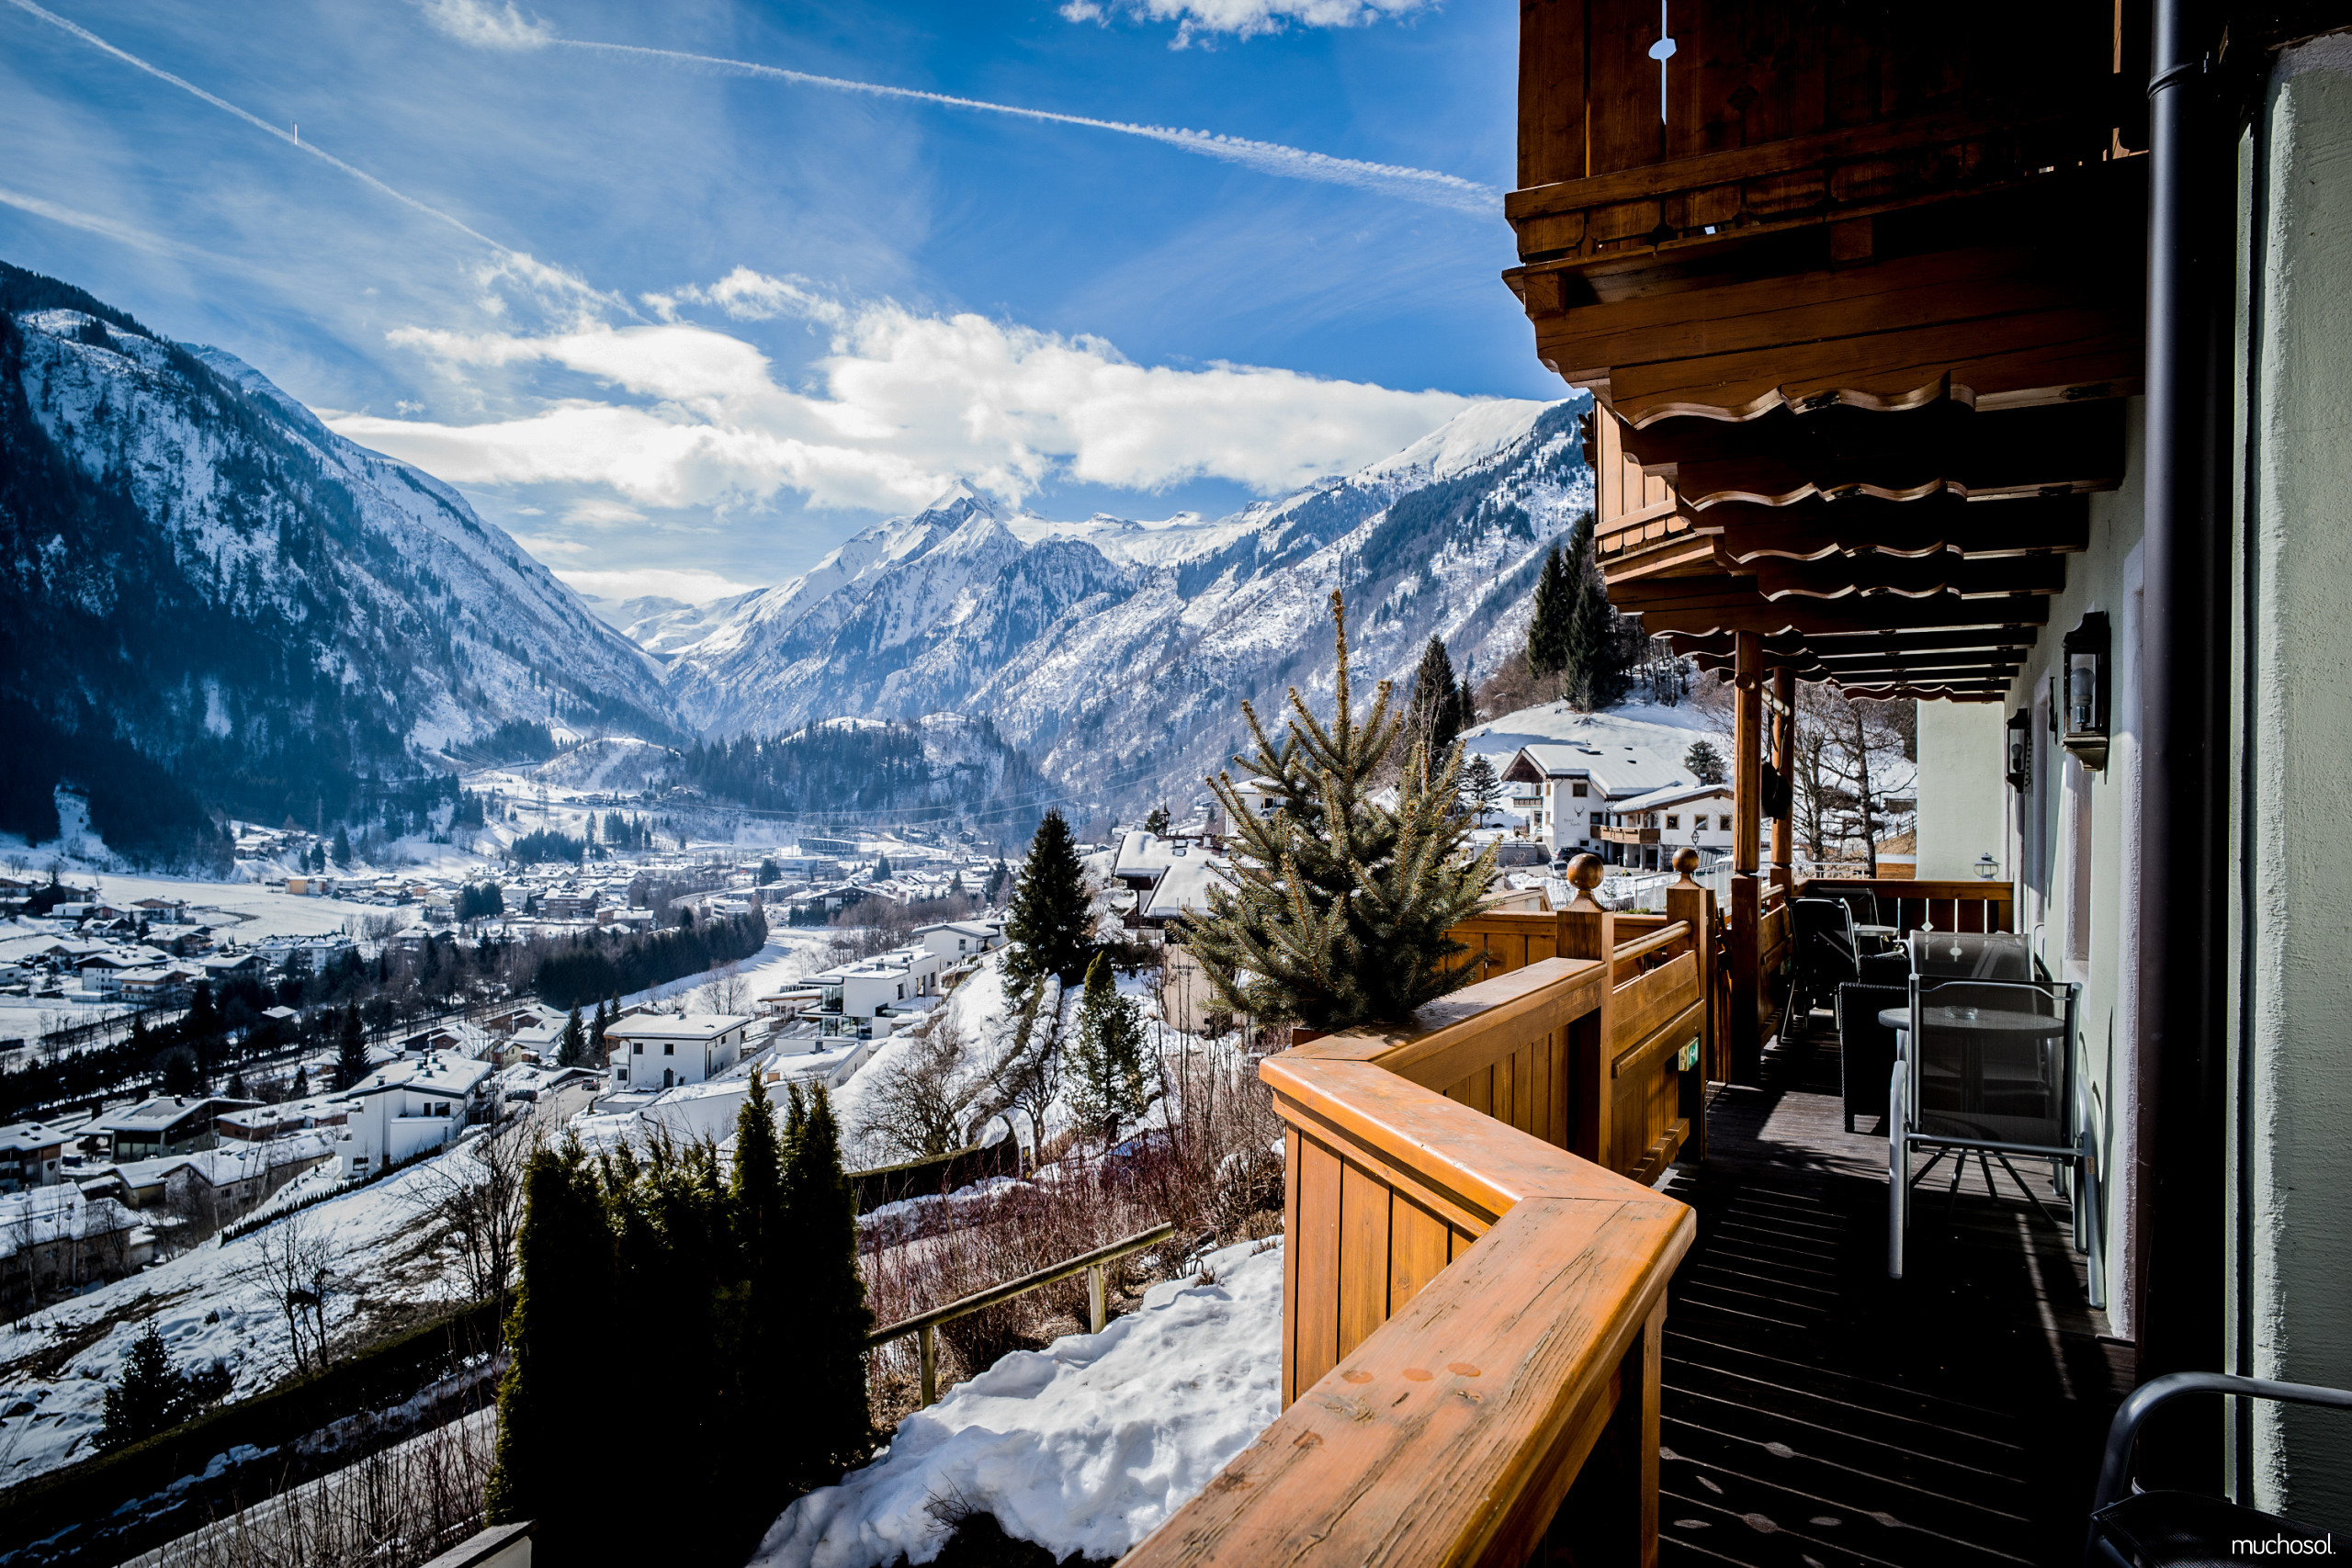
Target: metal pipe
{"points": [[2179, 1214]]}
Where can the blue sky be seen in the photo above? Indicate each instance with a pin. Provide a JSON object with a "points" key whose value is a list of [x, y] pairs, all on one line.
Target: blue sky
{"points": [[681, 327]]}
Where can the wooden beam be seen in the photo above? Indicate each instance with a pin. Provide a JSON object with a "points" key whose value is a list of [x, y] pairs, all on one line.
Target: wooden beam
{"points": [[1812, 529], [1831, 646], [1747, 753], [1784, 455], [1910, 577], [1814, 617]]}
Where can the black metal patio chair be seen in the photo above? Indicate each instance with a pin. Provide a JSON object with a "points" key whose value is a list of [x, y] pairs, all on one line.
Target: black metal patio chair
{"points": [[1821, 938], [2130, 1529]]}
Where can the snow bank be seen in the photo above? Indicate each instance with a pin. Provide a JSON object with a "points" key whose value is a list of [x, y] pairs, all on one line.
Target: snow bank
{"points": [[1085, 1445]]}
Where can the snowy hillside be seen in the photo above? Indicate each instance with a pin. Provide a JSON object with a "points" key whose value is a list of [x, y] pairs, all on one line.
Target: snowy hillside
{"points": [[217, 599], [1115, 652]]}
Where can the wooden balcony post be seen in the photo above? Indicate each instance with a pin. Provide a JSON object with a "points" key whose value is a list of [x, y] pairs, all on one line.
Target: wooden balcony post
{"points": [[1745, 1048], [1784, 731], [1686, 900], [1747, 751], [1587, 931]]}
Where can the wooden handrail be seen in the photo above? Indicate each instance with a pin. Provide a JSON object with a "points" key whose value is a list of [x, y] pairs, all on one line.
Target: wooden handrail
{"points": [[925, 1324], [1471, 1312], [1664, 937]]}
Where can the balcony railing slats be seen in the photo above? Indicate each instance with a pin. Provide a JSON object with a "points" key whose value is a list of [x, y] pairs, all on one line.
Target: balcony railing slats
{"points": [[1472, 1291]]}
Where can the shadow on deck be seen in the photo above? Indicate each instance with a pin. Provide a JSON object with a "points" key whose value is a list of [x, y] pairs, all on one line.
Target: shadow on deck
{"points": [[1816, 1412]]}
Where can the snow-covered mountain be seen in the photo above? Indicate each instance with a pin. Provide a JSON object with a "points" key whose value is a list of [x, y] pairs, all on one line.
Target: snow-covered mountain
{"points": [[1117, 652], [217, 603]]}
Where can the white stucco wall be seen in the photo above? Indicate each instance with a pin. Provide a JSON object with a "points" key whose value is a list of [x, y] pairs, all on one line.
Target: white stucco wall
{"points": [[1963, 803], [2295, 1064]]}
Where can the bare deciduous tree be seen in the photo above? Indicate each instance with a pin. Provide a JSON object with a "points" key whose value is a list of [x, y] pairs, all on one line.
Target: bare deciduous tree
{"points": [[298, 1262], [914, 1107], [474, 1200], [726, 991], [1030, 1074]]}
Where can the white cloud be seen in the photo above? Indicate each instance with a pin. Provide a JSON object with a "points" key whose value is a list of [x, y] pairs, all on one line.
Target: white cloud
{"points": [[484, 24], [901, 404], [1247, 18], [693, 584]]}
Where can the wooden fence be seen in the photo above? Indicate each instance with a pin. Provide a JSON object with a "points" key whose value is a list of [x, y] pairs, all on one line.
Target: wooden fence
{"points": [[1476, 1268]]}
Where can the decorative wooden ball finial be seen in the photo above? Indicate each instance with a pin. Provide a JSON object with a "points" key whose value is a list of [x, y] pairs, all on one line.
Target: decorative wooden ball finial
{"points": [[1585, 872], [1686, 861]]}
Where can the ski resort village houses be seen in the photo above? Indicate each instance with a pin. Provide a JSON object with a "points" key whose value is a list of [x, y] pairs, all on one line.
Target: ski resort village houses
{"points": [[1990, 356], [652, 1050], [404, 1107], [1616, 802]]}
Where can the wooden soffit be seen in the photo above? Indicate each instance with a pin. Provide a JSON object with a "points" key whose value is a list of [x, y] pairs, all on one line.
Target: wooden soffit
{"points": [[1946, 447], [1746, 534]]}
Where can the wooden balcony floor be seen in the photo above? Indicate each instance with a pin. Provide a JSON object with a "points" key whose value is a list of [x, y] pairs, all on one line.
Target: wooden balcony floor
{"points": [[1816, 1412]]}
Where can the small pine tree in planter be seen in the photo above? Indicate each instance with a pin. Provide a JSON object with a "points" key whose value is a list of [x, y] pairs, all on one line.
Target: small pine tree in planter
{"points": [[1343, 907]]}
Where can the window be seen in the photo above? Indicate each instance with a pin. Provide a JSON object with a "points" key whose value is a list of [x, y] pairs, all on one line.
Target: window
{"points": [[636, 1047], [1673, 822], [1578, 788], [669, 1048], [1725, 826]]}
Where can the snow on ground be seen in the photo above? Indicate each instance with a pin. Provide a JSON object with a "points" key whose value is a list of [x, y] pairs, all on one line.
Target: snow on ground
{"points": [[1084, 1445], [1669, 731], [205, 1306]]}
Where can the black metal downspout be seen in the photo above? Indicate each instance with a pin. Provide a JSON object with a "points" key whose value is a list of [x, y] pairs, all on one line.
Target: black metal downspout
{"points": [[2183, 1251]]}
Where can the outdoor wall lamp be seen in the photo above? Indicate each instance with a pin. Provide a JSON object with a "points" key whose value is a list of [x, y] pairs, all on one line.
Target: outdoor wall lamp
{"points": [[1985, 867], [2021, 773], [2085, 733]]}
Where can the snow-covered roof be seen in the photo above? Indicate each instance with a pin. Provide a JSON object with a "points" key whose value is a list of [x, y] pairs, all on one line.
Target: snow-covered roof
{"points": [[437, 1074], [663, 1026], [1620, 770], [1672, 794], [1184, 888]]}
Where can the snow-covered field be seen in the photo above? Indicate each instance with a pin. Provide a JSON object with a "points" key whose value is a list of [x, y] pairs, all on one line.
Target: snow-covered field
{"points": [[55, 1365], [1084, 1445], [1665, 730]]}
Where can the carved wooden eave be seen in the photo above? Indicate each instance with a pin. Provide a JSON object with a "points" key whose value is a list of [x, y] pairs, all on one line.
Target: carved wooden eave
{"points": [[1857, 300]]}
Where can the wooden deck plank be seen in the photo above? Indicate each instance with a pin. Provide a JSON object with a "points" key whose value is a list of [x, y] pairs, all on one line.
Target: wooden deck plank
{"points": [[1950, 1417]]}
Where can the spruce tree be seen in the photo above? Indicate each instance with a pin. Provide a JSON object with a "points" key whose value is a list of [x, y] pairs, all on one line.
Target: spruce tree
{"points": [[572, 1047], [301, 1089], [1155, 821], [1108, 1087], [558, 1329], [351, 1051], [154, 1395], [1555, 610], [1481, 785], [1595, 667], [1048, 927], [597, 1034], [882, 872], [820, 1227], [1433, 717], [342, 847], [1343, 908], [1706, 763]]}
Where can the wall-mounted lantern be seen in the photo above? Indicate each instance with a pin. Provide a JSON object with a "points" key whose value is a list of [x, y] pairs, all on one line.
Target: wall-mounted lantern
{"points": [[1986, 867], [2020, 772], [2085, 689]]}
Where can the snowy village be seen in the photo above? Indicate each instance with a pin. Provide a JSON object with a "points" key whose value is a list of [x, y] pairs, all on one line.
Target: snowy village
{"points": [[780, 795]]}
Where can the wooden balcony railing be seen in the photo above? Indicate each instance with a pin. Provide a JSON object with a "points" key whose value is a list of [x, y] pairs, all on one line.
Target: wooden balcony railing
{"points": [[1629, 835], [1910, 905], [1475, 1290]]}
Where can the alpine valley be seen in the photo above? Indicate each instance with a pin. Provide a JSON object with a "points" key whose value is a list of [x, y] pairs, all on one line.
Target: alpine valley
{"points": [[220, 606]]}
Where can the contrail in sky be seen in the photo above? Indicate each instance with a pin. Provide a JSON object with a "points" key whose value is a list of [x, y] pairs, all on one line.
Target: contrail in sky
{"points": [[539, 268], [1425, 185]]}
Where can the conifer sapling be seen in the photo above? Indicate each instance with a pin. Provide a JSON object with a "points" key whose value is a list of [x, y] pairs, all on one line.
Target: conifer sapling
{"points": [[1342, 908]]}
